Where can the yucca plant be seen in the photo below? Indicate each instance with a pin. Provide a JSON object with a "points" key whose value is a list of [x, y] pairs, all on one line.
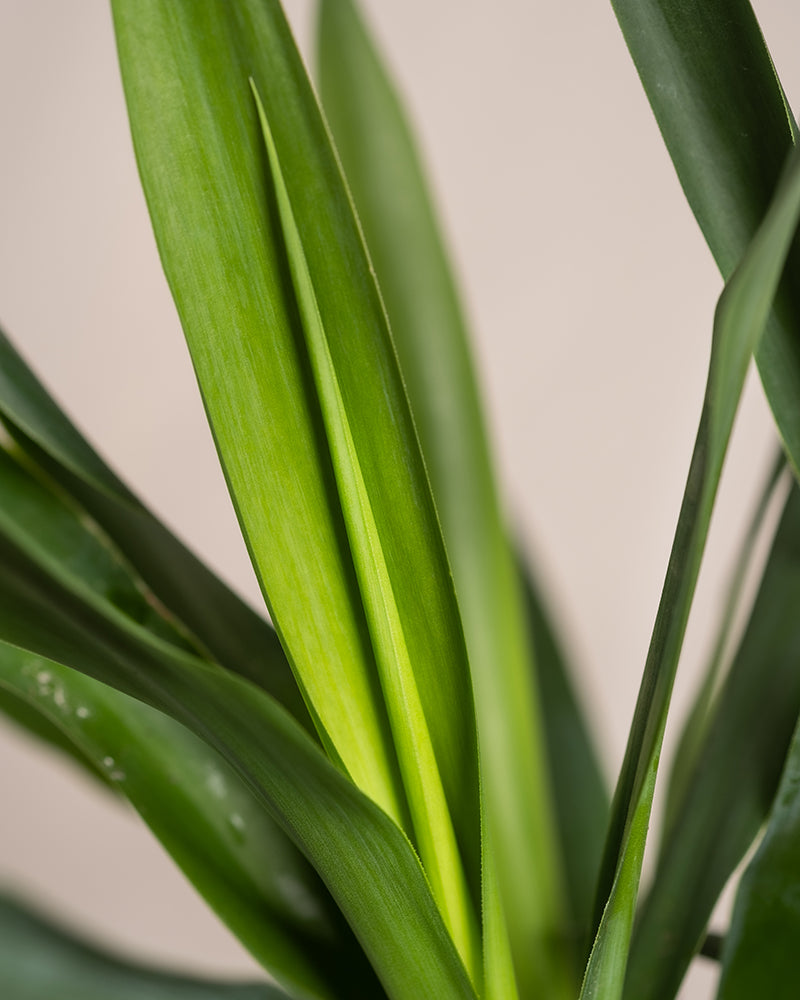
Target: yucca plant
{"points": [[391, 790]]}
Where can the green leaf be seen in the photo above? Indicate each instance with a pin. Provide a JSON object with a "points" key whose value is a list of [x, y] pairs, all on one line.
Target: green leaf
{"points": [[386, 179], [740, 317], [18, 711], [223, 623], [39, 961], [430, 816], [366, 862], [761, 945], [257, 883], [724, 118], [734, 778], [186, 70], [579, 788], [696, 725]]}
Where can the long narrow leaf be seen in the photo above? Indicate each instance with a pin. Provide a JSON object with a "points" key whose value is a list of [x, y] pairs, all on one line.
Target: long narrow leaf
{"points": [[229, 629], [430, 815], [579, 789], [724, 118], [39, 961], [692, 739], [734, 779], [386, 179], [186, 70], [363, 858], [257, 883], [741, 315], [761, 946]]}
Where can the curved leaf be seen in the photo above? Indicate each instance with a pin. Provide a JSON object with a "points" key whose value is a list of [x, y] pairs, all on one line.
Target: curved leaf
{"points": [[224, 624], [39, 961], [386, 179], [430, 815], [734, 778], [258, 883], [724, 118], [364, 859], [186, 70], [761, 945], [741, 314]]}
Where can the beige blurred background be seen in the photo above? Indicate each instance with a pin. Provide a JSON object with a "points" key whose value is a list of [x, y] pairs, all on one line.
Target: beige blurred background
{"points": [[591, 295]]}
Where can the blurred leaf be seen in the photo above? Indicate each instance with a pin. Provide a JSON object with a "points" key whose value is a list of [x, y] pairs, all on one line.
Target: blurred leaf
{"points": [[734, 778], [364, 859], [581, 796], [186, 70], [740, 317], [257, 882], [387, 182], [38, 961], [724, 118], [229, 629], [18, 711], [761, 946], [696, 725]]}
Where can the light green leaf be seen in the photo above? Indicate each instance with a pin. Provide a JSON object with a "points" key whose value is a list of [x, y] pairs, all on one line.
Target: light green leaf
{"points": [[224, 624], [761, 946], [724, 118], [430, 816], [741, 315], [388, 187], [364, 859], [39, 961], [734, 777], [186, 70]]}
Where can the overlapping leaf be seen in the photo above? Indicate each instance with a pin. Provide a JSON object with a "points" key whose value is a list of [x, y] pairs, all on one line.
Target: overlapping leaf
{"points": [[724, 118], [741, 315], [186, 70], [761, 946], [38, 961], [736, 770], [366, 862], [386, 179], [230, 630], [256, 881]]}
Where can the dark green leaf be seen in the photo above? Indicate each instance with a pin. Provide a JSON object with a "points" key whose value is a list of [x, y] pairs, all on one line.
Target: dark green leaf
{"points": [[723, 115], [761, 946], [740, 318], [387, 182], [579, 788], [186, 71], [222, 622], [366, 862], [734, 778], [39, 961], [257, 883]]}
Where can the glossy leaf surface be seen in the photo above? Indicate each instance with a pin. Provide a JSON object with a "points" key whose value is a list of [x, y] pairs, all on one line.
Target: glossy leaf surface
{"points": [[187, 70]]}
